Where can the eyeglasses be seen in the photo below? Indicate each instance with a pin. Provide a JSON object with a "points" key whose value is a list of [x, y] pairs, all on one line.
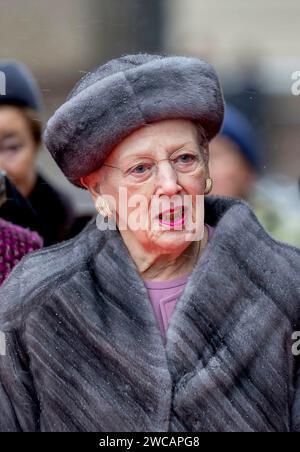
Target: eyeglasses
{"points": [[145, 168]]}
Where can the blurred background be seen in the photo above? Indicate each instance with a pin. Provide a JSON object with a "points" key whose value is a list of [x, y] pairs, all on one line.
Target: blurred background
{"points": [[253, 45]]}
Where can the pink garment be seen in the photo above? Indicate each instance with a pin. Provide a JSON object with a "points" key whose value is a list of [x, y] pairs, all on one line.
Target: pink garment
{"points": [[15, 242], [165, 294]]}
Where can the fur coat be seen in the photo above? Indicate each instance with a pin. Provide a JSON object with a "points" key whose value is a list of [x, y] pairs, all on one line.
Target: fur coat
{"points": [[84, 352]]}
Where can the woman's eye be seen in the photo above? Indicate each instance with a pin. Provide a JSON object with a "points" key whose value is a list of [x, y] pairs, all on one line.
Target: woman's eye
{"points": [[186, 158], [11, 147], [140, 169], [14, 147]]}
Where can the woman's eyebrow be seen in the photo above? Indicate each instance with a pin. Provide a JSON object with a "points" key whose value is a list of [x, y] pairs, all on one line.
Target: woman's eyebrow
{"points": [[180, 148], [149, 153]]}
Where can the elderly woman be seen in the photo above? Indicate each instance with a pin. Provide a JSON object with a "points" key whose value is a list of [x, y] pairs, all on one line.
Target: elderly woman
{"points": [[179, 318]]}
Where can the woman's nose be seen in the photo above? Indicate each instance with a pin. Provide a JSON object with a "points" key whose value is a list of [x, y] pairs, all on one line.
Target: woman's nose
{"points": [[167, 179]]}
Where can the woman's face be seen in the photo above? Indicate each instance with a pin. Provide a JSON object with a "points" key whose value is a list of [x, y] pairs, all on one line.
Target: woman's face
{"points": [[170, 184], [17, 145]]}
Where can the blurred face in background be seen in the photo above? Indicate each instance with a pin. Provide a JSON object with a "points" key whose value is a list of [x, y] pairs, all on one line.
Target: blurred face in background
{"points": [[18, 148], [231, 173]]}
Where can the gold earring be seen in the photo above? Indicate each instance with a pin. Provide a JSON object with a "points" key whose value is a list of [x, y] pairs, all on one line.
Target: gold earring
{"points": [[102, 207], [208, 185]]}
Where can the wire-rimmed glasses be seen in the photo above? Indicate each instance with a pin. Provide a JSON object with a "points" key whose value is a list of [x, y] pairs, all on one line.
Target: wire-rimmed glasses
{"points": [[144, 169]]}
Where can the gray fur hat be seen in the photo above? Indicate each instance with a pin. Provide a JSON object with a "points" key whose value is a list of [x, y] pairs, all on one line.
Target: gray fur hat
{"points": [[121, 96]]}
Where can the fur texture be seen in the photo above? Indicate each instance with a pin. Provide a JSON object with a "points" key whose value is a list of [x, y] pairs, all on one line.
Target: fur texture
{"points": [[124, 95], [84, 352]]}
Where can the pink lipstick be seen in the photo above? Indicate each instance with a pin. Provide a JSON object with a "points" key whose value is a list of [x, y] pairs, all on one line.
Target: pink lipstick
{"points": [[173, 217]]}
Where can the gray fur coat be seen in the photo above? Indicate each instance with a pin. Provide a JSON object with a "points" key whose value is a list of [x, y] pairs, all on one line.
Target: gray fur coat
{"points": [[84, 352]]}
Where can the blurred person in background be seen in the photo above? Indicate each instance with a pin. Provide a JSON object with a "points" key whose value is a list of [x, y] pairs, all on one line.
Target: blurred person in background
{"points": [[20, 139], [235, 157], [236, 162]]}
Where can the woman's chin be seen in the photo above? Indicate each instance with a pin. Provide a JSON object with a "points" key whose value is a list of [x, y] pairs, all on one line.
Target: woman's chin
{"points": [[172, 240]]}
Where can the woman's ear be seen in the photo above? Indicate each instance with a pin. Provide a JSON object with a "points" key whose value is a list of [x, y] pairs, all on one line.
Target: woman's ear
{"points": [[84, 183], [91, 183]]}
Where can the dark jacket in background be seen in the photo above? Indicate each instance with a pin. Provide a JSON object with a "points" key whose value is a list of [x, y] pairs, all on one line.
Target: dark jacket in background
{"points": [[46, 211], [16, 209], [53, 209], [85, 353]]}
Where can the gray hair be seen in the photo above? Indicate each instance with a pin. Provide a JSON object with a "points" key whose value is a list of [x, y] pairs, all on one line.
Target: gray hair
{"points": [[203, 143]]}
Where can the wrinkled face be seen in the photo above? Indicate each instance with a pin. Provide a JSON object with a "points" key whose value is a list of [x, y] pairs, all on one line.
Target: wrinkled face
{"points": [[154, 189], [17, 146], [231, 173]]}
